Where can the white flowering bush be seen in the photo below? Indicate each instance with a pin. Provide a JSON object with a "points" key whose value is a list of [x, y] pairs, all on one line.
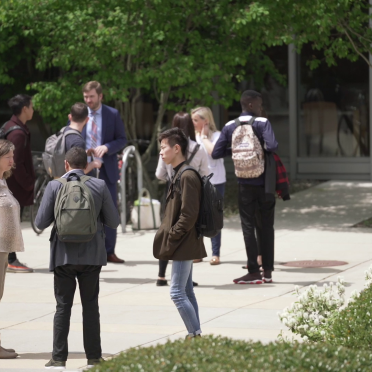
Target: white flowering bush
{"points": [[353, 325], [315, 309]]}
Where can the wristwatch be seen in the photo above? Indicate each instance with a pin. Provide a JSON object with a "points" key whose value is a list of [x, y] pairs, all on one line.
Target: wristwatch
{"points": [[204, 136]]}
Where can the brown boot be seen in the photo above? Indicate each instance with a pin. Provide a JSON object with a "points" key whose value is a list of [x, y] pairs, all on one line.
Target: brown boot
{"points": [[6, 354]]}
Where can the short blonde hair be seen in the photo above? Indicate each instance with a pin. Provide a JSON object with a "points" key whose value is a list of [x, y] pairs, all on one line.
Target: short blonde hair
{"points": [[205, 113], [5, 148]]}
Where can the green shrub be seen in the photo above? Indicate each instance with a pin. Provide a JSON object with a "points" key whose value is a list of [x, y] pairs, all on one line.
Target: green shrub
{"points": [[353, 327], [217, 354]]}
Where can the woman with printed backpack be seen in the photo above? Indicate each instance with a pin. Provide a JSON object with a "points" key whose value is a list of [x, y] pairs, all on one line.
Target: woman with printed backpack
{"points": [[196, 157], [207, 135]]}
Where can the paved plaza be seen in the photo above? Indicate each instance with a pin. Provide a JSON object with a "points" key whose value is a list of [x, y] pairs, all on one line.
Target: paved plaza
{"points": [[315, 224]]}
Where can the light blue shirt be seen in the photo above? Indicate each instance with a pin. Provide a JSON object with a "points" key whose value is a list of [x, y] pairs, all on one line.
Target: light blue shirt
{"points": [[88, 139]]}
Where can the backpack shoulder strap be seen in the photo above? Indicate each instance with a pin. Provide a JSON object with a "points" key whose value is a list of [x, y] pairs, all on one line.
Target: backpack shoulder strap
{"points": [[196, 149], [3, 126], [177, 177], [61, 180], [11, 129], [84, 178], [70, 131], [237, 122]]}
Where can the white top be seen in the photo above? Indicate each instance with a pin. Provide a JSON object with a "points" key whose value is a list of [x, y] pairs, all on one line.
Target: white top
{"points": [[199, 162], [216, 166]]}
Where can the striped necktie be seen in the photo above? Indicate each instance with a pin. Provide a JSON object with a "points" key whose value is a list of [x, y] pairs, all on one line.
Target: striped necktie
{"points": [[93, 132]]}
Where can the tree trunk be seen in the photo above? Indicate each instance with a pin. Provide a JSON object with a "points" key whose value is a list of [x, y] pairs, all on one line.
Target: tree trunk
{"points": [[164, 95]]}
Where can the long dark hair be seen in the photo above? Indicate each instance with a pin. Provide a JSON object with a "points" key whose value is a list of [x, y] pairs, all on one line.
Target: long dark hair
{"points": [[183, 121]]}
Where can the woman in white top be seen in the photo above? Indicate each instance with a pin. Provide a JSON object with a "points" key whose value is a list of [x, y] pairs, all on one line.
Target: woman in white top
{"points": [[164, 172], [183, 121], [207, 135], [10, 223]]}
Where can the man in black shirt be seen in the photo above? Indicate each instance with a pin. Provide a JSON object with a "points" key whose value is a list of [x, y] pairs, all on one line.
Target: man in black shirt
{"points": [[78, 117]]}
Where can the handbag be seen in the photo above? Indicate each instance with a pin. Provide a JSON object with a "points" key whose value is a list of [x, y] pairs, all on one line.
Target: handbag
{"points": [[146, 212]]}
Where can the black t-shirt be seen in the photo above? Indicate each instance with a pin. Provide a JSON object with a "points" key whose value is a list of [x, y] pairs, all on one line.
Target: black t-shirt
{"points": [[73, 140]]}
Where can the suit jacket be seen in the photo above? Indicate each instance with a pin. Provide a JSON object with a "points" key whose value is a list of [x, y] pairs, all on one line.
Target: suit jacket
{"points": [[113, 136], [22, 181], [89, 253]]}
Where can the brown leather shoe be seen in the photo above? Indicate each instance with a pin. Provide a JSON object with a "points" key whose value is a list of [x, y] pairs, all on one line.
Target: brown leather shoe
{"points": [[114, 258]]}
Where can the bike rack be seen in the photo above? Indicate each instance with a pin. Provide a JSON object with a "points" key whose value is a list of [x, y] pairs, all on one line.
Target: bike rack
{"points": [[127, 152]]}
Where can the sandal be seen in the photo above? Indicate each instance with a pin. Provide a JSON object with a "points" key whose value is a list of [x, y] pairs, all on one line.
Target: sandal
{"points": [[215, 260]]}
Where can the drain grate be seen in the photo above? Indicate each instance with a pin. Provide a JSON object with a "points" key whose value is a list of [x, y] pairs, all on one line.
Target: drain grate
{"points": [[314, 263]]}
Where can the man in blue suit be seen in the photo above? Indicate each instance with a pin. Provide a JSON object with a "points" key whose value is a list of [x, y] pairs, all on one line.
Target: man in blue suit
{"points": [[104, 136]]}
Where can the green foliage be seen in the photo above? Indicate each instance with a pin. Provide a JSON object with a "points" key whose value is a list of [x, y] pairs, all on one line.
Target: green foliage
{"points": [[217, 354], [180, 53], [189, 49], [352, 328]]}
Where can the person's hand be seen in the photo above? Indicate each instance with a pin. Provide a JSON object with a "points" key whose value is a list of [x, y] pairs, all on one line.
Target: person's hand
{"points": [[205, 130], [99, 151], [90, 152], [97, 164]]}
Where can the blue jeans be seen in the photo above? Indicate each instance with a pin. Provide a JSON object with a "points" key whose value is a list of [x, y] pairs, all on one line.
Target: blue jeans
{"points": [[183, 296], [216, 241]]}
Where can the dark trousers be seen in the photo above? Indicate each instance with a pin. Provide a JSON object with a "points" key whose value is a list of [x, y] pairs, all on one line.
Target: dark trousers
{"points": [[110, 241], [162, 268], [216, 241], [64, 289], [257, 213]]}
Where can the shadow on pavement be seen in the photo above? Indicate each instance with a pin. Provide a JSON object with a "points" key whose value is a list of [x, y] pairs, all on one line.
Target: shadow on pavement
{"points": [[47, 356], [310, 270], [127, 280]]}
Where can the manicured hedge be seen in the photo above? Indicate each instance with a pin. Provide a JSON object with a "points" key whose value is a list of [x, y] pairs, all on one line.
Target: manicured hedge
{"points": [[353, 327], [217, 354]]}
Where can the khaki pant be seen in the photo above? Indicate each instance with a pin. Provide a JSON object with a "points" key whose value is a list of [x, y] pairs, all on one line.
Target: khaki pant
{"points": [[3, 266]]}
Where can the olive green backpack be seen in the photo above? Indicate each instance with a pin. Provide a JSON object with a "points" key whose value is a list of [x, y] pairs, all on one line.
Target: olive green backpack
{"points": [[74, 211]]}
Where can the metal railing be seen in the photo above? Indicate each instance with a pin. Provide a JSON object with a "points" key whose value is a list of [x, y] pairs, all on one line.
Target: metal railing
{"points": [[127, 152]]}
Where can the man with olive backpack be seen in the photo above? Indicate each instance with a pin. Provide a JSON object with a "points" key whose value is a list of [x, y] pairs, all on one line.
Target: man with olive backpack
{"points": [[79, 206]]}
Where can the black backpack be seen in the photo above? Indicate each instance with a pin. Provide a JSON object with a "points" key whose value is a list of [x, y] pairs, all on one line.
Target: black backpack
{"points": [[4, 132], [210, 220]]}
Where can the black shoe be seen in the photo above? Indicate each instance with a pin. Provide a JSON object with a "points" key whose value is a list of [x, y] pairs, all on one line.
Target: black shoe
{"points": [[18, 267], [55, 364], [161, 283], [267, 278], [190, 337], [254, 278], [94, 362], [194, 284]]}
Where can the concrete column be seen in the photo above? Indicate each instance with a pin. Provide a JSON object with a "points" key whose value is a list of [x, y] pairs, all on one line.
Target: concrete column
{"points": [[370, 100], [293, 107]]}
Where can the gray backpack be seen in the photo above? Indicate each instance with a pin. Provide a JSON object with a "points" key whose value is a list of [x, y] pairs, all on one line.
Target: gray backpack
{"points": [[74, 211], [54, 154]]}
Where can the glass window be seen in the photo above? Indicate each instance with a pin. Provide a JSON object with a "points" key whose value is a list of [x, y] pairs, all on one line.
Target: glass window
{"points": [[333, 108]]}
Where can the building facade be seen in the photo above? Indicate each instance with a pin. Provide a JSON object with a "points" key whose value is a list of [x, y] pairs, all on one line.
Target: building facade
{"points": [[321, 117]]}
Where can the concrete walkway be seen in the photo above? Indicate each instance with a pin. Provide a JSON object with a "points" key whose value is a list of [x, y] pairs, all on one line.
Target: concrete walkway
{"points": [[315, 224]]}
